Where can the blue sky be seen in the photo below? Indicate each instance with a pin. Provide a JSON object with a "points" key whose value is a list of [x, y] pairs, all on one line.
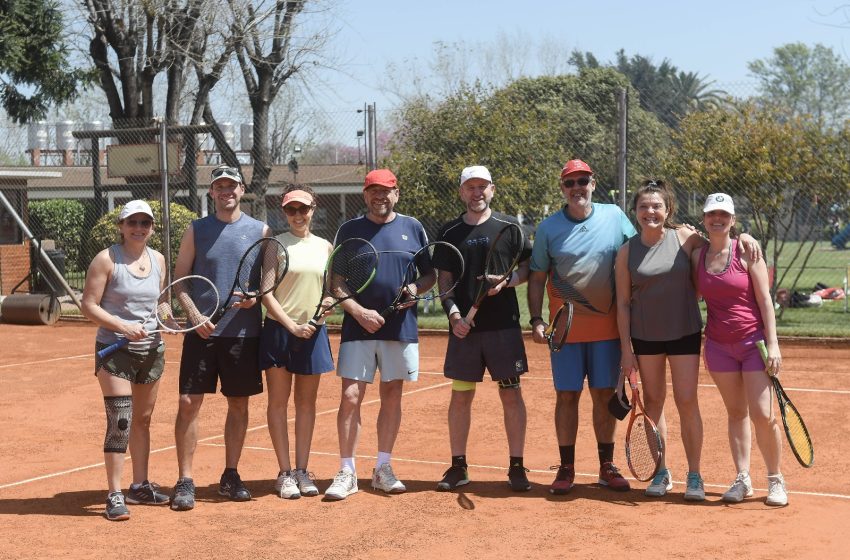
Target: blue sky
{"points": [[712, 37]]}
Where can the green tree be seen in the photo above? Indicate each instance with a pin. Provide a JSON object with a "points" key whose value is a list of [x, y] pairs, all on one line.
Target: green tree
{"points": [[523, 132], [62, 221], [34, 69], [803, 80]]}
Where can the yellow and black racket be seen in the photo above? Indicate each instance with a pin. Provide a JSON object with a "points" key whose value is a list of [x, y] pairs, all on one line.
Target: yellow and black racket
{"points": [[556, 333], [795, 428]]}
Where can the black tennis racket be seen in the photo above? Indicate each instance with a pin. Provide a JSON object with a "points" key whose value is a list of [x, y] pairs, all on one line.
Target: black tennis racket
{"points": [[449, 259], [349, 270], [644, 448], [503, 255], [795, 428], [260, 271], [556, 333], [193, 298]]}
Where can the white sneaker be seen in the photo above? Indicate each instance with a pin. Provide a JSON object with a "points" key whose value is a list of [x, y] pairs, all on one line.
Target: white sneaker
{"points": [[384, 479], [740, 489], [344, 485], [305, 483], [777, 495], [660, 485], [287, 486]]}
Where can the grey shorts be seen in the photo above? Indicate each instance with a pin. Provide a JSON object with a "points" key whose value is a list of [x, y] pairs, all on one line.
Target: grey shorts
{"points": [[501, 352], [359, 359], [139, 367]]}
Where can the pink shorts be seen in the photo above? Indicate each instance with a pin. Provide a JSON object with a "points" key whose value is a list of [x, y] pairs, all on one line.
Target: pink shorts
{"points": [[744, 355]]}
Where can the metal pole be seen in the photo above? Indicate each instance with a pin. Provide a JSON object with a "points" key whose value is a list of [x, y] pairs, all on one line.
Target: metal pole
{"points": [[373, 137], [166, 210], [42, 254], [622, 136]]}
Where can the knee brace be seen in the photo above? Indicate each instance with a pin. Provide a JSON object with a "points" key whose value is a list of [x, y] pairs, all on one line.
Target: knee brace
{"points": [[509, 383], [119, 415], [458, 385]]}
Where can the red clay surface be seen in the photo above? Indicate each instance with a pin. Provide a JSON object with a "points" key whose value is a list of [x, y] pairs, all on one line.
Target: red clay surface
{"points": [[52, 483]]}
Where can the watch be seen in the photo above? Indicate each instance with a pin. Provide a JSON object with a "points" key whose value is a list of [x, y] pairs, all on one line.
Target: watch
{"points": [[533, 319]]}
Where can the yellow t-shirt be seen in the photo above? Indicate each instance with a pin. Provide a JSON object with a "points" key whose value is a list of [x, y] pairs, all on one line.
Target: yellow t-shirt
{"points": [[301, 289]]}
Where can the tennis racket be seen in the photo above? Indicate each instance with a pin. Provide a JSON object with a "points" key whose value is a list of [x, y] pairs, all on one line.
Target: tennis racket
{"points": [[795, 428], [350, 268], [260, 271], [556, 333], [502, 257], [450, 259], [197, 298], [644, 448]]}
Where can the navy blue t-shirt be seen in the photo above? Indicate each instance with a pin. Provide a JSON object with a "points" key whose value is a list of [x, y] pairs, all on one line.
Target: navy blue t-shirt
{"points": [[396, 242]]}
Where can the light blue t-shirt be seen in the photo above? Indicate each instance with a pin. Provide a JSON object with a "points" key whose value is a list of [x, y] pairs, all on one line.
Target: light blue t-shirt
{"points": [[582, 252]]}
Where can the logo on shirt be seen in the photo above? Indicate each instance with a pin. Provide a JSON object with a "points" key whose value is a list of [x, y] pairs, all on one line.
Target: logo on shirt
{"points": [[403, 236], [583, 229]]}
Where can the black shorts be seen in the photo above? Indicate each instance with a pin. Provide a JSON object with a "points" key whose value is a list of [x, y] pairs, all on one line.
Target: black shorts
{"points": [[501, 352], [233, 360], [684, 346]]}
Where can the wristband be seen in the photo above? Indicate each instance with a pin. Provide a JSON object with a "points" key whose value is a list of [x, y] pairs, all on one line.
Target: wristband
{"points": [[533, 319], [450, 307]]}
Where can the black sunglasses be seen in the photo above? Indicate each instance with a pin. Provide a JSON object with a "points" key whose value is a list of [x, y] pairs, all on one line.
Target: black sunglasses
{"points": [[143, 223], [292, 210], [219, 171], [582, 182]]}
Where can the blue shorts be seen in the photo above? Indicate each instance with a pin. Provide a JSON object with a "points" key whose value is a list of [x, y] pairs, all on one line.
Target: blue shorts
{"points": [[598, 361], [311, 356]]}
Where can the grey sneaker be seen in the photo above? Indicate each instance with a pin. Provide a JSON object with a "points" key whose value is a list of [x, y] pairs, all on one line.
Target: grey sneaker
{"points": [[147, 493], [344, 485], [661, 484], [383, 478], [777, 495], [116, 509], [287, 486], [183, 497], [305, 482], [740, 489], [694, 488]]}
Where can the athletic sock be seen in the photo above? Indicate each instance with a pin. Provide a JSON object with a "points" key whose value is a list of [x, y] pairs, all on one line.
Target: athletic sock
{"points": [[515, 461], [606, 452], [568, 454], [347, 462], [382, 459], [459, 461]]}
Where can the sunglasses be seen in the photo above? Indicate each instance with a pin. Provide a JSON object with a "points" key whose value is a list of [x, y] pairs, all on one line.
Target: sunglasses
{"points": [[582, 182], [219, 171], [136, 223], [292, 210]]}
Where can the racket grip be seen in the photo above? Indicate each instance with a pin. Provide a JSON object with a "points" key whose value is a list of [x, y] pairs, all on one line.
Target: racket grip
{"points": [[471, 314], [112, 348], [762, 349]]}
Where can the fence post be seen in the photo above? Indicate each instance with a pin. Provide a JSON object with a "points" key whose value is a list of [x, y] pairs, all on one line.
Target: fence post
{"points": [[166, 209], [622, 137]]}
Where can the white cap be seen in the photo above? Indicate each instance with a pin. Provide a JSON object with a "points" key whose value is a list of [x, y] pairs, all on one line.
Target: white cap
{"points": [[475, 172], [719, 201], [225, 172], [135, 207]]}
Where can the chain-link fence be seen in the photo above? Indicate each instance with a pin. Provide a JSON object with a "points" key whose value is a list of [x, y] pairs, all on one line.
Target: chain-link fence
{"points": [[788, 173]]}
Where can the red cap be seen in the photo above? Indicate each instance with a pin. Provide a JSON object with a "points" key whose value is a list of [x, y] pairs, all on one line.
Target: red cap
{"points": [[297, 196], [382, 177], [575, 166]]}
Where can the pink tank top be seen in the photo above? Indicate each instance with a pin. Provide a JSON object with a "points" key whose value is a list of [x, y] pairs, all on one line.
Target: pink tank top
{"points": [[733, 312]]}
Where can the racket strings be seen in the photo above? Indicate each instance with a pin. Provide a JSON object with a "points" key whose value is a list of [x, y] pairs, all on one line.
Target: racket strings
{"points": [[798, 436], [274, 266], [643, 448], [351, 270], [196, 301]]}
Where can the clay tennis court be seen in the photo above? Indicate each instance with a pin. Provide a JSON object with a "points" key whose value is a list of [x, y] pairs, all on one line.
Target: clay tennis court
{"points": [[52, 482]]}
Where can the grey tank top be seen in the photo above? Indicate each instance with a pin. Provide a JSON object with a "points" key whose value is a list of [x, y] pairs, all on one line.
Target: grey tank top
{"points": [[664, 302], [218, 248], [131, 298]]}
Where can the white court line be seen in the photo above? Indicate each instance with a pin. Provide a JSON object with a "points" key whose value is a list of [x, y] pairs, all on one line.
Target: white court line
{"points": [[539, 471], [202, 440], [46, 361]]}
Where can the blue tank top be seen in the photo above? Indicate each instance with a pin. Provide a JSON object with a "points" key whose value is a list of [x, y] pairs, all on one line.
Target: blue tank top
{"points": [[218, 248], [131, 298]]}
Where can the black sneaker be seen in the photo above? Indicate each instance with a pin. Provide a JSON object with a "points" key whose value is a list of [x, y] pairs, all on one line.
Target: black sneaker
{"points": [[183, 497], [147, 493], [452, 478], [231, 485], [116, 509], [517, 479]]}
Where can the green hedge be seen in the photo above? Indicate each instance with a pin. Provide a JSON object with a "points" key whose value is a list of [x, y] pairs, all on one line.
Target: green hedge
{"points": [[63, 221]]}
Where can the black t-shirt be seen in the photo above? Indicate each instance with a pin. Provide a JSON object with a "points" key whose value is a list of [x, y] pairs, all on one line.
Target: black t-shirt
{"points": [[496, 312]]}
